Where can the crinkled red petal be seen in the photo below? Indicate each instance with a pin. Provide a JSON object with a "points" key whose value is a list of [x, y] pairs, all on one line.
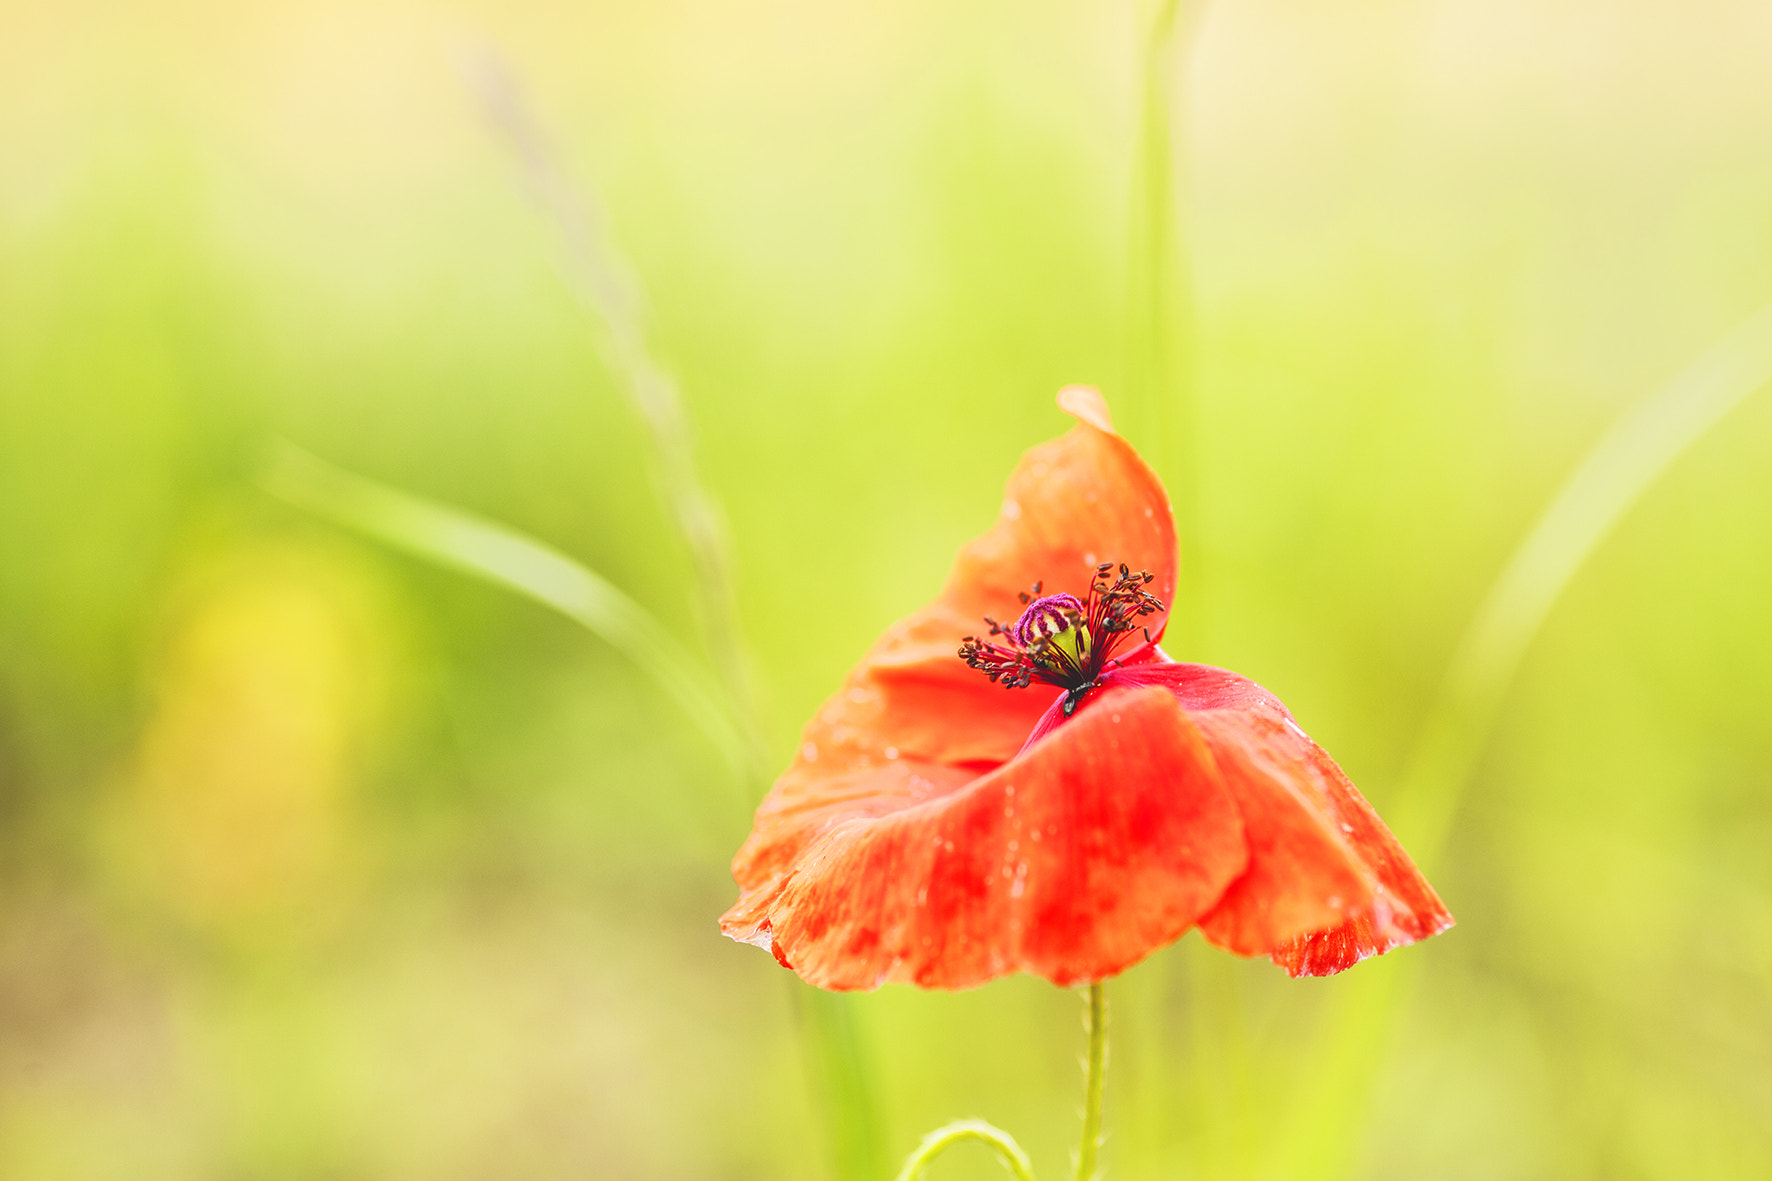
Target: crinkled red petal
{"points": [[1327, 884], [1405, 911], [1080, 857]]}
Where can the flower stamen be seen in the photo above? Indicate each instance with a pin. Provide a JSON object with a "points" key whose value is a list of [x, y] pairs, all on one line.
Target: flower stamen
{"points": [[1062, 640]]}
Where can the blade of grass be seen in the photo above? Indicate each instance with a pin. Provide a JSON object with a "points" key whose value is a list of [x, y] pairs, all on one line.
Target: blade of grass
{"points": [[500, 555], [1622, 466], [611, 298], [472, 545]]}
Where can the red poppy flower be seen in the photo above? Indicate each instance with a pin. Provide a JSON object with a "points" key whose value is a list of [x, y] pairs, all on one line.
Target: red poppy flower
{"points": [[939, 829]]}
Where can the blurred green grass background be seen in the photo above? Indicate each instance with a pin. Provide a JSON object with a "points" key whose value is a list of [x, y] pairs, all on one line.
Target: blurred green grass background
{"points": [[317, 862]]}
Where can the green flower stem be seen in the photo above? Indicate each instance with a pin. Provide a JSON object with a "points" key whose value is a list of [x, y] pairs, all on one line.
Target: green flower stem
{"points": [[1092, 1084], [943, 1138]]}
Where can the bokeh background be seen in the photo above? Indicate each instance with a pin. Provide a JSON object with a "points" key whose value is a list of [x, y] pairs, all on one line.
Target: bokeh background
{"points": [[317, 861]]}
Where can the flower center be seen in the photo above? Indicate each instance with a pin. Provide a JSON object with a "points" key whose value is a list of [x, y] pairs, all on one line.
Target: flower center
{"points": [[1063, 640]]}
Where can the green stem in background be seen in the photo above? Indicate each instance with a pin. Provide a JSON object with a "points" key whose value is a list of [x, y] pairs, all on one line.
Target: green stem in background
{"points": [[838, 1064], [611, 299], [1159, 296], [1094, 1069], [1622, 466]]}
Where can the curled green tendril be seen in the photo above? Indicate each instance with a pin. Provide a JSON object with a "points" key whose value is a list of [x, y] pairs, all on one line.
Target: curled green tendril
{"points": [[943, 1138]]}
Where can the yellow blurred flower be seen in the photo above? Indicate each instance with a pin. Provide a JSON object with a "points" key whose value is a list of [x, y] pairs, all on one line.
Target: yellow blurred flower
{"points": [[238, 807]]}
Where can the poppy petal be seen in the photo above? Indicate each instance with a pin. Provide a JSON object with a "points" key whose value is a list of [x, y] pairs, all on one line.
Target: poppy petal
{"points": [[1072, 862], [1327, 883], [1302, 876], [1084, 498], [803, 805], [1406, 910]]}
